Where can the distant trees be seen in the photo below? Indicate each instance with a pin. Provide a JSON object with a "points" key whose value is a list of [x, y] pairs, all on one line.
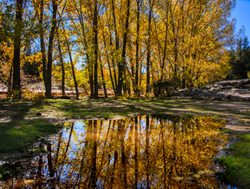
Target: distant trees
{"points": [[240, 58], [123, 45]]}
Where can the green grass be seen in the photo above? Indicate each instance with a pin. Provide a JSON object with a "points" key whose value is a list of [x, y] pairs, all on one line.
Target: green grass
{"points": [[237, 163], [17, 135]]}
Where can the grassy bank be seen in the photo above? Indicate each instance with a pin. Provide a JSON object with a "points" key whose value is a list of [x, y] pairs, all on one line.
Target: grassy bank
{"points": [[16, 136], [237, 162]]}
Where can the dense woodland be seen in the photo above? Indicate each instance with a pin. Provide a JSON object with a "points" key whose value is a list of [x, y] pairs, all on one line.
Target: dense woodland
{"points": [[128, 47]]}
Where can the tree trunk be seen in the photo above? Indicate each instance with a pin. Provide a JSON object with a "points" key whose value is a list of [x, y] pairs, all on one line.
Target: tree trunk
{"points": [[121, 64], [16, 85], [10, 80], [95, 46], [108, 60], [163, 76], [103, 79], [63, 70], [148, 87], [86, 48], [72, 65], [50, 50], [42, 43], [137, 48]]}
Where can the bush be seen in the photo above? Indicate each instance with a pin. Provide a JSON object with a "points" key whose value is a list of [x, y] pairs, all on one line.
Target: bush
{"points": [[165, 88]]}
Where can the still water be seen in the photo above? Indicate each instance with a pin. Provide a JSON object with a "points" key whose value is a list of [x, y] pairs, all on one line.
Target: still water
{"points": [[136, 152]]}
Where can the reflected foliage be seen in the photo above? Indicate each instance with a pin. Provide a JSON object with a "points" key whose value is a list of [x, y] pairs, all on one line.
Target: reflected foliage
{"points": [[138, 152]]}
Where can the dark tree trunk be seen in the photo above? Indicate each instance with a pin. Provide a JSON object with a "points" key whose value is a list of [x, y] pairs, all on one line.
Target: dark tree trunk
{"points": [[95, 46], [42, 43], [148, 87], [121, 64], [117, 42], [50, 50], [16, 85], [137, 48]]}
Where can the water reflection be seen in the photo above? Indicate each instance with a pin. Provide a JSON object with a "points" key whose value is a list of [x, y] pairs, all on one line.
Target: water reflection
{"points": [[139, 152]]}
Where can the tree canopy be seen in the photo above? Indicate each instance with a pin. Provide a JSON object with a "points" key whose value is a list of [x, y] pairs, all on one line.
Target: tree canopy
{"points": [[122, 46]]}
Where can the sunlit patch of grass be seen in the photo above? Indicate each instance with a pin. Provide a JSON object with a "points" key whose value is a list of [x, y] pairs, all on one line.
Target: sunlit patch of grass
{"points": [[237, 163], [16, 136]]}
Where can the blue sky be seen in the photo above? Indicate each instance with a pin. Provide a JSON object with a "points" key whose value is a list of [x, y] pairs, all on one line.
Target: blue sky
{"points": [[242, 15]]}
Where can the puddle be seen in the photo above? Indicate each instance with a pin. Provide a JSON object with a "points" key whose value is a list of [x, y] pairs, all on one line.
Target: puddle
{"points": [[135, 152]]}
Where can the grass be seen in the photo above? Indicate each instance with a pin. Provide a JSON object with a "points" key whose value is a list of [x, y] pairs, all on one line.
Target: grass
{"points": [[237, 162], [16, 136]]}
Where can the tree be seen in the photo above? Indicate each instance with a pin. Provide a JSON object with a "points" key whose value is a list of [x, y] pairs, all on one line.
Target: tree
{"points": [[95, 48], [240, 58], [16, 85], [50, 49], [122, 62]]}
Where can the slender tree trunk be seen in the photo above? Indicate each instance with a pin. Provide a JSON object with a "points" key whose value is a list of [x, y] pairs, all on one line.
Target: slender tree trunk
{"points": [[113, 64], [42, 43], [137, 48], [103, 79], [63, 69], [121, 64], [10, 79], [108, 60], [117, 45], [86, 48], [163, 76], [72, 66], [148, 87], [95, 48], [117, 41], [50, 50], [16, 85]]}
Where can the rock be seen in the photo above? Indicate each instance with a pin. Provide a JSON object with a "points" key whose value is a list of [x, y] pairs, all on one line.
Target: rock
{"points": [[233, 90]]}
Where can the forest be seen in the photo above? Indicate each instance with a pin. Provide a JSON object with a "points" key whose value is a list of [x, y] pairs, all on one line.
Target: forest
{"points": [[123, 94], [119, 47]]}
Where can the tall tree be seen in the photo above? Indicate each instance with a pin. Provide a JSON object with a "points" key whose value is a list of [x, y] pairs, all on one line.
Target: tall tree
{"points": [[137, 43], [95, 48], [122, 63], [150, 14], [16, 85], [48, 76]]}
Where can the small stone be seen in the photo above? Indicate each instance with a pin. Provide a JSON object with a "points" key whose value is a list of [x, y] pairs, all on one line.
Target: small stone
{"points": [[18, 127]]}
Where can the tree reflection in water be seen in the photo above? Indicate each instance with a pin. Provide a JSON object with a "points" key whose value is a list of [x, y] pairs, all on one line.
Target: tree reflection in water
{"points": [[138, 152]]}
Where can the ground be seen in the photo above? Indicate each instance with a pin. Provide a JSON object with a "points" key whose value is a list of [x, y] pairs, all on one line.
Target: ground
{"points": [[23, 123]]}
